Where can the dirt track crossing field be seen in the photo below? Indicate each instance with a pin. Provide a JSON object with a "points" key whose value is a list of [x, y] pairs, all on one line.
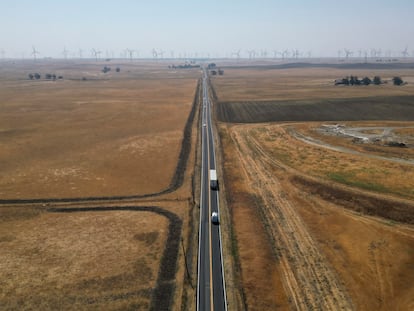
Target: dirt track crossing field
{"points": [[310, 282]]}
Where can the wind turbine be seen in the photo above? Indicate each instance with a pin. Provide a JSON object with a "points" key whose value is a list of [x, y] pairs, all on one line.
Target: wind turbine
{"points": [[236, 53], [295, 53], [65, 53], [348, 53], [131, 54], [285, 54], [405, 52], [252, 53], [263, 53], [366, 56], [96, 53], [34, 52], [154, 53]]}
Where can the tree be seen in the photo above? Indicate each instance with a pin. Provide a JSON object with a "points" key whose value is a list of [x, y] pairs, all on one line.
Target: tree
{"points": [[31, 76], [118, 69], [37, 76], [366, 81], [397, 81], [377, 80], [345, 81]]}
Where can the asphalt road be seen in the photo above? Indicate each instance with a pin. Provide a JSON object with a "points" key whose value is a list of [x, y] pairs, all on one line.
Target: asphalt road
{"points": [[211, 294]]}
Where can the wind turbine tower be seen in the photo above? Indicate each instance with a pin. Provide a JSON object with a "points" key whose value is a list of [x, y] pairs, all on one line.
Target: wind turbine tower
{"points": [[348, 53], [237, 54], [65, 53], [96, 53], [154, 53], [295, 53], [285, 54], [405, 52], [34, 53], [252, 53], [130, 53]]}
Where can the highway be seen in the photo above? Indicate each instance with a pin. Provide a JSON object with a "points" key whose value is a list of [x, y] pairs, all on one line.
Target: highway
{"points": [[211, 293]]}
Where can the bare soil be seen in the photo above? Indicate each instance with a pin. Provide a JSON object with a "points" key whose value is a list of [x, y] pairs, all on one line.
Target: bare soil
{"points": [[355, 109]]}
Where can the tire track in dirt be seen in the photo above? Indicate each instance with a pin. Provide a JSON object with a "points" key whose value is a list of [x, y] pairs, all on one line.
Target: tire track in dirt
{"points": [[314, 142], [309, 281]]}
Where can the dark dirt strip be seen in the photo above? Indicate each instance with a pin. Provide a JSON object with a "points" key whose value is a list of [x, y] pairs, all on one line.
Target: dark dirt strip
{"points": [[393, 108]]}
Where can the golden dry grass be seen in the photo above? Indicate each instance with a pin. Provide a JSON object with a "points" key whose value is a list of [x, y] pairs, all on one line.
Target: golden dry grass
{"points": [[304, 84], [86, 260], [113, 135], [360, 171]]}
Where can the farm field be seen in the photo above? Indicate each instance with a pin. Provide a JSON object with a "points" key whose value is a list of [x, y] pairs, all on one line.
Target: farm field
{"points": [[66, 261], [113, 134], [96, 187], [320, 220]]}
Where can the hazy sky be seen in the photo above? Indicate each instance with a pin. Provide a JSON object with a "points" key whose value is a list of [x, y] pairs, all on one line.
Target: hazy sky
{"points": [[218, 27]]}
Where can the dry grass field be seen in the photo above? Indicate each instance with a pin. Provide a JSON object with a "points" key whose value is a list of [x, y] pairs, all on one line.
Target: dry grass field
{"points": [[126, 138], [89, 260], [113, 134], [319, 221], [307, 84]]}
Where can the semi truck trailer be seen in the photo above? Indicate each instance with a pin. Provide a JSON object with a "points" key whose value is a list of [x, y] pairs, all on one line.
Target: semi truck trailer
{"points": [[214, 184]]}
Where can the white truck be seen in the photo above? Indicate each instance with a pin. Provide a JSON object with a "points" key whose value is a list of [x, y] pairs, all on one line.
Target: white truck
{"points": [[214, 184]]}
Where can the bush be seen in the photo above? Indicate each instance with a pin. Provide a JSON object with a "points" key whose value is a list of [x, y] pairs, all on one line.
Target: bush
{"points": [[377, 80], [366, 81], [397, 81]]}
